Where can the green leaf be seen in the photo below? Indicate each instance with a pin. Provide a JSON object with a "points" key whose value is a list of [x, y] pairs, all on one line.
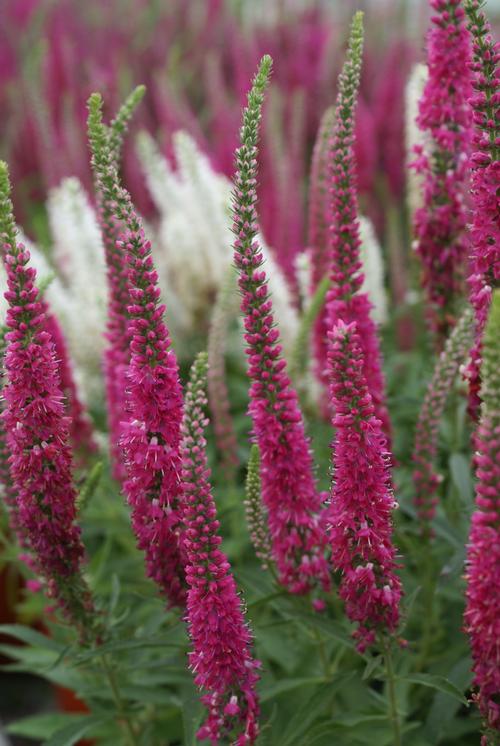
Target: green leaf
{"points": [[312, 708], [122, 646], [287, 685], [192, 714], [332, 629], [461, 476], [72, 733], [351, 721], [43, 726], [30, 636], [433, 681], [444, 708]]}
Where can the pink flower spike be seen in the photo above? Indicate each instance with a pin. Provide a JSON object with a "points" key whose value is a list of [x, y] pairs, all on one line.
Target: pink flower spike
{"points": [[150, 436], [359, 515], [344, 299], [221, 659], [289, 490], [445, 119], [80, 426], [485, 165], [37, 435], [482, 614], [117, 352]]}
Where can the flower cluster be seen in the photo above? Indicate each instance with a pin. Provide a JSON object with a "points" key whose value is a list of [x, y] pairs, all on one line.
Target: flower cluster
{"points": [[150, 436], [317, 239], [482, 615], [425, 477], [79, 423], [485, 161], [345, 300], [59, 299], [359, 515], [37, 434], [221, 659], [117, 352], [7, 492], [288, 485], [444, 118]]}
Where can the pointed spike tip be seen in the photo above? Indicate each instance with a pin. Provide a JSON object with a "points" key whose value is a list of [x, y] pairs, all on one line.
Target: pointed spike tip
{"points": [[4, 179]]}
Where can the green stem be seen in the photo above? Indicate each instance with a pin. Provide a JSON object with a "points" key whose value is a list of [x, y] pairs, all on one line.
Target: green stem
{"points": [[429, 590], [123, 719], [391, 694]]}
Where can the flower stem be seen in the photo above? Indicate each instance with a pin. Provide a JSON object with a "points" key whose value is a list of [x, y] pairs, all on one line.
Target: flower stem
{"points": [[429, 590], [391, 695], [123, 719]]}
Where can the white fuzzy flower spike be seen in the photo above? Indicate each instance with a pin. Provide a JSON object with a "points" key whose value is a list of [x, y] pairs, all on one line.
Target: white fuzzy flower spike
{"points": [[193, 242], [414, 136]]}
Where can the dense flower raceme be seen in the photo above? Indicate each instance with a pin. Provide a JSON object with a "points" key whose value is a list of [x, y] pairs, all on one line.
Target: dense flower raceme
{"points": [[117, 353], [445, 119], [482, 615], [318, 202], [150, 432], [485, 160], [345, 300], [54, 298], [288, 485], [221, 659], [37, 434], [80, 426], [359, 515], [7, 491], [425, 477]]}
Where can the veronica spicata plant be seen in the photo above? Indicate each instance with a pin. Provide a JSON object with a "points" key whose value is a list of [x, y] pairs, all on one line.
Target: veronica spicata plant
{"points": [[323, 617]]}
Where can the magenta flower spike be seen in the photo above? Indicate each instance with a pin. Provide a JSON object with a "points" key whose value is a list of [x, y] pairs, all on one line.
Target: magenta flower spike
{"points": [[221, 659], [117, 352], [485, 163], [8, 492], [359, 515], [318, 239], [288, 486], [37, 434], [445, 120], [482, 614], [344, 299], [80, 427], [150, 430]]}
